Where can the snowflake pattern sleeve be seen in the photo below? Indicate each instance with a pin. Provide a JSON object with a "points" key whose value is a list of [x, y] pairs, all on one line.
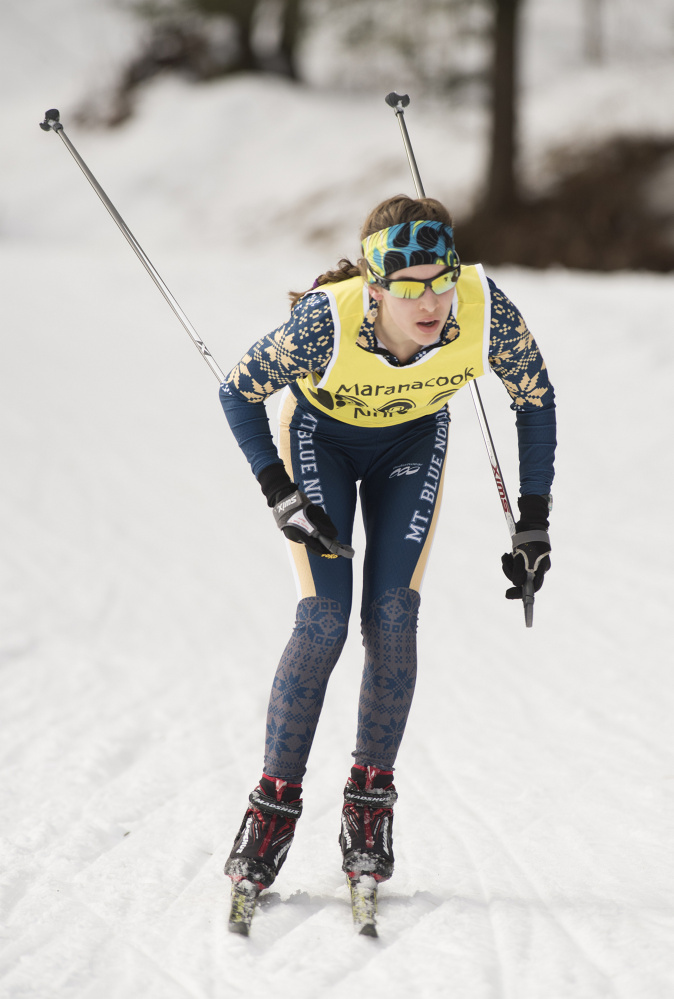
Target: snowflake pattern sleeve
{"points": [[514, 356], [302, 344]]}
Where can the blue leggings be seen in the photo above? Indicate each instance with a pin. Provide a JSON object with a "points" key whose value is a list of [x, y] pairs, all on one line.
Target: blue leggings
{"points": [[400, 470]]}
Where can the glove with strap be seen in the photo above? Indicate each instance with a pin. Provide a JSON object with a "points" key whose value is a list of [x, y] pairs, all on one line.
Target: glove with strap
{"points": [[531, 546], [300, 520]]}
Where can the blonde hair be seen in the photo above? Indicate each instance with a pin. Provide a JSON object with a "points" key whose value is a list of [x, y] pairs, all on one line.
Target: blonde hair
{"points": [[390, 212]]}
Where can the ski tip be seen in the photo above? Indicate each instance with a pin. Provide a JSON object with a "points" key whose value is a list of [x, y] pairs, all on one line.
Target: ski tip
{"points": [[364, 904], [368, 930], [243, 902]]}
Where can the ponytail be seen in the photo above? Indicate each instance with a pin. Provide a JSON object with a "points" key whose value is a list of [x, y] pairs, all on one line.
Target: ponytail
{"points": [[344, 270]]}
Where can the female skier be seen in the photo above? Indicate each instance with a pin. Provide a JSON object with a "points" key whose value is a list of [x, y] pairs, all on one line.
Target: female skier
{"points": [[370, 356]]}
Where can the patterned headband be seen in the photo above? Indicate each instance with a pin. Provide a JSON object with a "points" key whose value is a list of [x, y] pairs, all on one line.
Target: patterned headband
{"points": [[409, 244]]}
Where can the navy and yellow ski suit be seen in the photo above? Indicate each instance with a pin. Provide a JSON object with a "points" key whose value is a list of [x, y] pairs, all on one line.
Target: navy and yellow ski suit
{"points": [[355, 421]]}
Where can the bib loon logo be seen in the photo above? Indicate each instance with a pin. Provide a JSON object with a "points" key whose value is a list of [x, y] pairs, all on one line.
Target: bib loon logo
{"points": [[361, 396], [410, 469], [397, 406]]}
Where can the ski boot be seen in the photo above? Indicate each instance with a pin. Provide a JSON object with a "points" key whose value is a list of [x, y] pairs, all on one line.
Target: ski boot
{"points": [[266, 832], [366, 838]]}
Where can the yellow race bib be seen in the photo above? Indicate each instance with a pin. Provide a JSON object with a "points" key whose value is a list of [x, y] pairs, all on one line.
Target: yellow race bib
{"points": [[363, 388]]}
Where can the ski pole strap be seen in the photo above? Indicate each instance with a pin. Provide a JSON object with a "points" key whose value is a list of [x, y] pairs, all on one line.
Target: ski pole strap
{"points": [[293, 809], [522, 537], [371, 799], [533, 546], [290, 511]]}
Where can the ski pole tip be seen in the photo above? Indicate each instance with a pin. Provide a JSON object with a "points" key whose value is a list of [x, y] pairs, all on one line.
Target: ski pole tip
{"points": [[397, 100], [52, 118]]}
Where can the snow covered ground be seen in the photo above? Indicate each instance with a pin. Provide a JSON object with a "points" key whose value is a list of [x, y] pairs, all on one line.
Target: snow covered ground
{"points": [[146, 597]]}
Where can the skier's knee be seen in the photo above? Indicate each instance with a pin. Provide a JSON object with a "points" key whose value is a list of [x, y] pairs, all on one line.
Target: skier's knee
{"points": [[321, 621], [395, 611]]}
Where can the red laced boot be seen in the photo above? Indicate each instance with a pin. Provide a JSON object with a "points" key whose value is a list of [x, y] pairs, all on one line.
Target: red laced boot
{"points": [[366, 837], [266, 833]]}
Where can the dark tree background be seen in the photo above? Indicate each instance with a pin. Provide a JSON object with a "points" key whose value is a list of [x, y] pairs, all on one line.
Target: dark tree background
{"points": [[598, 215], [598, 212]]}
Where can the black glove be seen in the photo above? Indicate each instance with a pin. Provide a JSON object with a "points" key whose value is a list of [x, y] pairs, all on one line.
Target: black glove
{"points": [[531, 546], [289, 504]]}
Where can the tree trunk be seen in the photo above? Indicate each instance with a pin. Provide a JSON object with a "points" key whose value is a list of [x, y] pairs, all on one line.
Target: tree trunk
{"points": [[502, 187], [291, 30], [593, 31], [244, 14]]}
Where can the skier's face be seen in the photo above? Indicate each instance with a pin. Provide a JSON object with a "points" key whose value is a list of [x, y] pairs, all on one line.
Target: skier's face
{"points": [[419, 319]]}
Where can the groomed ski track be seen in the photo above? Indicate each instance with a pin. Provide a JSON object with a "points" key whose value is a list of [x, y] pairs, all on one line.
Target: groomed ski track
{"points": [[147, 598]]}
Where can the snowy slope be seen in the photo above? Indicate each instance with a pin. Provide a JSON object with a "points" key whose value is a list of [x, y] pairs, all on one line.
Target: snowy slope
{"points": [[138, 557], [146, 598]]}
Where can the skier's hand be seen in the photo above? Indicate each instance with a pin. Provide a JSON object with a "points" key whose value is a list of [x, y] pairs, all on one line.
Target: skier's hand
{"points": [[303, 521], [300, 520], [527, 556], [531, 546]]}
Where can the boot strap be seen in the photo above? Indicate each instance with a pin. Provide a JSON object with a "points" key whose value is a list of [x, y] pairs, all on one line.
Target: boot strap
{"points": [[371, 799], [293, 809]]}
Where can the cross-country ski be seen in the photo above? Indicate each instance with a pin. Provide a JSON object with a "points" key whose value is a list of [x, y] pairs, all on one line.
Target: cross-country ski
{"points": [[244, 895], [363, 891]]}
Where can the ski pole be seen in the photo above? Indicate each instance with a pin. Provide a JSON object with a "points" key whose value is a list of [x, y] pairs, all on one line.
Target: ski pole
{"points": [[52, 122], [399, 102]]}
